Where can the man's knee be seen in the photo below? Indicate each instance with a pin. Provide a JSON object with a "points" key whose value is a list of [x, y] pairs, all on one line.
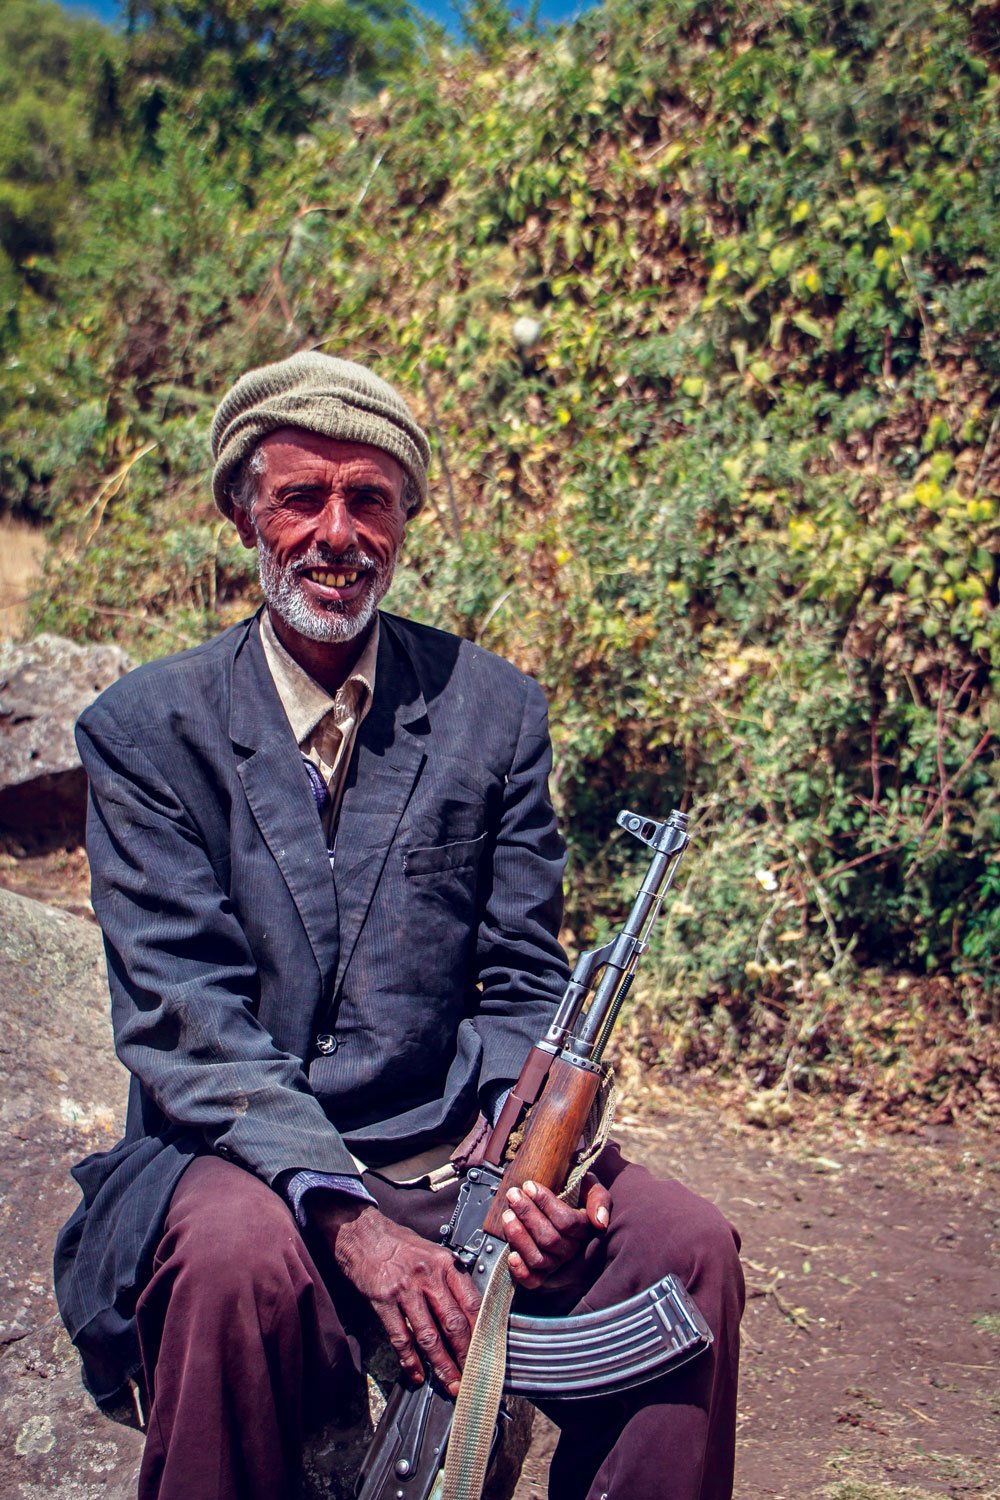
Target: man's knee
{"points": [[663, 1227], [713, 1273], [697, 1238], [229, 1239]]}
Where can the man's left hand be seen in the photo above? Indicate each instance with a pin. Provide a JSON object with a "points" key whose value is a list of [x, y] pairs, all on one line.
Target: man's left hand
{"points": [[545, 1234]]}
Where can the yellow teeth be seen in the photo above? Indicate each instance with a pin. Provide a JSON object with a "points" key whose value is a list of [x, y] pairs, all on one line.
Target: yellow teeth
{"points": [[334, 580]]}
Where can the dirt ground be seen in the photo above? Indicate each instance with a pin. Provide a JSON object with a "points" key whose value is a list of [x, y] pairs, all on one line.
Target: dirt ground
{"points": [[871, 1341], [59, 879]]}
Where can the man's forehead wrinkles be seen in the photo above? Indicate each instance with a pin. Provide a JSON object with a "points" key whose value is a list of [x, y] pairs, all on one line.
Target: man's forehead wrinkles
{"points": [[313, 477], [310, 463]]}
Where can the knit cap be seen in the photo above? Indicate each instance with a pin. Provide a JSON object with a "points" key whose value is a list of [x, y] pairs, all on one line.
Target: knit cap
{"points": [[334, 397]]}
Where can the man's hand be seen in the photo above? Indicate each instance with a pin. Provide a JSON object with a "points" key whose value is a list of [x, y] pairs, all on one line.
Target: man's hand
{"points": [[545, 1234], [426, 1305]]}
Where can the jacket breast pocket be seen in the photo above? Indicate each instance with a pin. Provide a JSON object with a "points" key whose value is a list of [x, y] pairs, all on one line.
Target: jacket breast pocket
{"points": [[440, 883], [439, 858]]}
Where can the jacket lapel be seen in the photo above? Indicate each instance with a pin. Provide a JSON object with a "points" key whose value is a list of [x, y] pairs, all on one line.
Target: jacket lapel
{"points": [[280, 798], [388, 755]]}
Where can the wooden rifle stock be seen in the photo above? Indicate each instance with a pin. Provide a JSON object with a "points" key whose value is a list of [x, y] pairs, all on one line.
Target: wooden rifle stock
{"points": [[551, 1136]]}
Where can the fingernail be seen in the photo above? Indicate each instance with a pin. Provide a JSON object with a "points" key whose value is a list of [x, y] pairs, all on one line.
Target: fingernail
{"points": [[530, 1189], [602, 1217], [509, 1217], [453, 1388], [514, 1260], [514, 1196]]}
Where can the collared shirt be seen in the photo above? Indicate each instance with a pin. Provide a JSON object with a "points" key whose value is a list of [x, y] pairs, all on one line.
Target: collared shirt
{"points": [[324, 726]]}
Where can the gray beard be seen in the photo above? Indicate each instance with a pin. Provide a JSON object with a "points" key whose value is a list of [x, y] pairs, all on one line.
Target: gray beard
{"points": [[336, 621]]}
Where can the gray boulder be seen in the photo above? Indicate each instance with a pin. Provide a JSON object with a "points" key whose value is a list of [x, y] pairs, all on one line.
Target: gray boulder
{"points": [[45, 685], [62, 1093]]}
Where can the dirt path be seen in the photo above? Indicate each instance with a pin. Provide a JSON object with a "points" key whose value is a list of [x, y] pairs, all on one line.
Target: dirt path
{"points": [[872, 1331]]}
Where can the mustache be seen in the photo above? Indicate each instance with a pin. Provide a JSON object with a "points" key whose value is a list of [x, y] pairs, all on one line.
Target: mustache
{"points": [[324, 557]]}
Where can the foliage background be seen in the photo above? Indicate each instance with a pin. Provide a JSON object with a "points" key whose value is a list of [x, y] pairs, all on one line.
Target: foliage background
{"points": [[699, 302]]}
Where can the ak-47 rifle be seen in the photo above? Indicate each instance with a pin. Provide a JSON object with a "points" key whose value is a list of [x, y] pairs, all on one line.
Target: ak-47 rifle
{"points": [[553, 1097]]}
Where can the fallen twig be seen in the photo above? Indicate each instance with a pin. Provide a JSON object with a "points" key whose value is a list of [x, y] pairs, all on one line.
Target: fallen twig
{"points": [[795, 1315]]}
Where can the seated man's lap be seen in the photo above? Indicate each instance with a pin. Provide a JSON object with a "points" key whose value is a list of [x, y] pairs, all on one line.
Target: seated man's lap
{"points": [[231, 1229], [233, 1273], [237, 1244]]}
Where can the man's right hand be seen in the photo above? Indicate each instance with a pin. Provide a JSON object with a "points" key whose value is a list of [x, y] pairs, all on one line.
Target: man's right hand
{"points": [[426, 1305]]}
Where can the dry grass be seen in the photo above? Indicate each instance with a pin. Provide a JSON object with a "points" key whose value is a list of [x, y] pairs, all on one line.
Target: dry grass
{"points": [[21, 549]]}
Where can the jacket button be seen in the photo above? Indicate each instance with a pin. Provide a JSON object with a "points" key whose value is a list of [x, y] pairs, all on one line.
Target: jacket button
{"points": [[326, 1044]]}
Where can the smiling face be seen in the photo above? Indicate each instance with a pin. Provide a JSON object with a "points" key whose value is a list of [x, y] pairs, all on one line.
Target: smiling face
{"points": [[327, 523]]}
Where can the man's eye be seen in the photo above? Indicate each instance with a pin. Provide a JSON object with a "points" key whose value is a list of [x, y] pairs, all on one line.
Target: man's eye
{"points": [[301, 498]]}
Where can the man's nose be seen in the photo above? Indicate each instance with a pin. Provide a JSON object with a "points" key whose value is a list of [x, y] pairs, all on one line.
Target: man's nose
{"points": [[336, 525]]}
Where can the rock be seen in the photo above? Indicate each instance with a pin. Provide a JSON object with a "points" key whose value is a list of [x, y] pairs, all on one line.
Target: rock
{"points": [[44, 686], [62, 1095]]}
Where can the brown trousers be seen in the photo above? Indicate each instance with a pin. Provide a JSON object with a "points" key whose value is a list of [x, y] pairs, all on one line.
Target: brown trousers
{"points": [[246, 1340]]}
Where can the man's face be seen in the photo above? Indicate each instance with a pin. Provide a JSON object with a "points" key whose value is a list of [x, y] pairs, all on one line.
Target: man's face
{"points": [[328, 524]]}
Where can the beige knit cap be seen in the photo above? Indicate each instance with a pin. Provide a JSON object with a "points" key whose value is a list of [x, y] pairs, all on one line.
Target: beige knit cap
{"points": [[334, 397]]}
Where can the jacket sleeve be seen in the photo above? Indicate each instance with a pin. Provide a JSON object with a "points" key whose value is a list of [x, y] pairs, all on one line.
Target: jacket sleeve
{"points": [[182, 976], [521, 967]]}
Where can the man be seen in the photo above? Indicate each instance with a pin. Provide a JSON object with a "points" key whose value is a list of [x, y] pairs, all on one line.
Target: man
{"points": [[328, 874]]}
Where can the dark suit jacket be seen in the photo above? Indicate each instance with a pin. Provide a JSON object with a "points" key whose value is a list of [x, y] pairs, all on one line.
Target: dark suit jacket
{"points": [[430, 954]]}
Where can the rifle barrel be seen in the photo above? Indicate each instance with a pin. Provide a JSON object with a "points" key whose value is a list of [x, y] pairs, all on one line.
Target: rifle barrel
{"points": [[614, 985]]}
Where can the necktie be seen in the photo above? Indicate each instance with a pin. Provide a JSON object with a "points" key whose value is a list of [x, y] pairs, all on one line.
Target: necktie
{"points": [[320, 796]]}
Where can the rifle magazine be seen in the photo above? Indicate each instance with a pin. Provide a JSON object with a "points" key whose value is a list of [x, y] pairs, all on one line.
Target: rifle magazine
{"points": [[600, 1353]]}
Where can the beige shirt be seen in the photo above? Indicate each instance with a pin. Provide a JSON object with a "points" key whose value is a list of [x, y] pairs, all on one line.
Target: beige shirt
{"points": [[325, 727]]}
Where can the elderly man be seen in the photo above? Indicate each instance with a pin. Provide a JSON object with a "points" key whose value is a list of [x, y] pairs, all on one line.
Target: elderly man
{"points": [[328, 874]]}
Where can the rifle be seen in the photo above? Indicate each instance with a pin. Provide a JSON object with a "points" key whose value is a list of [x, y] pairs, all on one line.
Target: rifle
{"points": [[553, 1097]]}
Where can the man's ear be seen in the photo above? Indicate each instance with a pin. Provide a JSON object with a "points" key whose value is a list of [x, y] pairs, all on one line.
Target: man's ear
{"points": [[244, 525]]}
